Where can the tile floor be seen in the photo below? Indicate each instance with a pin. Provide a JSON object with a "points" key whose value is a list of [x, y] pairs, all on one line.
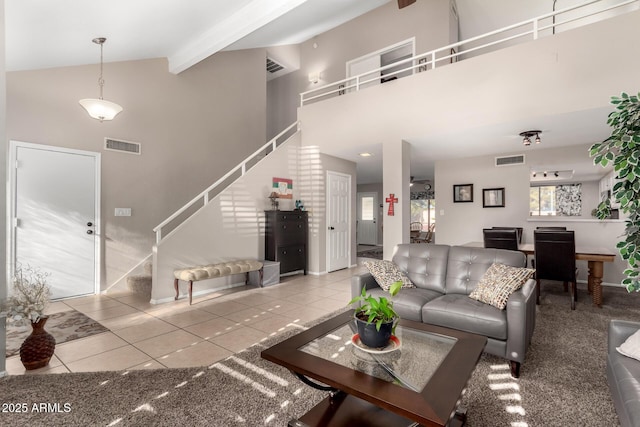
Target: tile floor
{"points": [[175, 335]]}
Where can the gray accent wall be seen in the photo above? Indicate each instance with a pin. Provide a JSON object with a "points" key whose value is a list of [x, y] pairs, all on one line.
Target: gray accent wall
{"points": [[193, 127]]}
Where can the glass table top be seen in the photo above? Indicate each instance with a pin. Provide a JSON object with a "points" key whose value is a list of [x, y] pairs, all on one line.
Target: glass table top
{"points": [[411, 365]]}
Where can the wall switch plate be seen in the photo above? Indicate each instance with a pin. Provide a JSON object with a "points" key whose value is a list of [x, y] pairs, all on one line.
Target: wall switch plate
{"points": [[123, 211]]}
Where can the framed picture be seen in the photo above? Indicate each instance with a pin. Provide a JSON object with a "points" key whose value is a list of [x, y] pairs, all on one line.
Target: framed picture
{"points": [[493, 197], [462, 193], [422, 68]]}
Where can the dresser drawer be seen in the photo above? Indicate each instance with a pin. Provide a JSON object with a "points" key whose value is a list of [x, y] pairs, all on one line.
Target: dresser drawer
{"points": [[292, 258]]}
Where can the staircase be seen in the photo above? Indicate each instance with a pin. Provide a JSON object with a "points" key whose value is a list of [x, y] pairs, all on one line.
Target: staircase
{"points": [[171, 224]]}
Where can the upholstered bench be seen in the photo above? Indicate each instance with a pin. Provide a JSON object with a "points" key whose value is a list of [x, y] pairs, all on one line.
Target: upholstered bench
{"points": [[212, 271]]}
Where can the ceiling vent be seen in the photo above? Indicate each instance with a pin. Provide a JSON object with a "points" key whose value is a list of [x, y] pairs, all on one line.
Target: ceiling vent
{"points": [[122, 146], [273, 66], [517, 159]]}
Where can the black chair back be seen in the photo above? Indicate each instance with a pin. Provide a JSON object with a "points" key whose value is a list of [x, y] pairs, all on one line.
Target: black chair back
{"points": [[552, 228], [555, 255], [518, 230], [501, 239]]}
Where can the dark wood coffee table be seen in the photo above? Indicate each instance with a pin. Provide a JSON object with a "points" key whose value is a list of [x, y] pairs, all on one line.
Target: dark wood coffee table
{"points": [[418, 384]]}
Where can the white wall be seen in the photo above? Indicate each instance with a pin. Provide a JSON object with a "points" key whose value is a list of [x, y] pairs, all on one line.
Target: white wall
{"points": [[459, 223], [3, 172], [193, 127], [230, 227]]}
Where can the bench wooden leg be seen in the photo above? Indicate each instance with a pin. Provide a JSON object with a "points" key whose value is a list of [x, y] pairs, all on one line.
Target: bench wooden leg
{"points": [[190, 291], [175, 285]]}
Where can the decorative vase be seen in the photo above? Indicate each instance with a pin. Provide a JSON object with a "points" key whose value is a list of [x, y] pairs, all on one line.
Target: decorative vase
{"points": [[371, 337], [37, 348]]}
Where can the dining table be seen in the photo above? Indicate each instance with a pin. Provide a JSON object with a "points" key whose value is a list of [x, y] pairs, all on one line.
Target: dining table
{"points": [[595, 257]]}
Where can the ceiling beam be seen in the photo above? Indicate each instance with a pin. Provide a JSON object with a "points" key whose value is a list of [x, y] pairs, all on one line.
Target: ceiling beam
{"points": [[252, 16]]}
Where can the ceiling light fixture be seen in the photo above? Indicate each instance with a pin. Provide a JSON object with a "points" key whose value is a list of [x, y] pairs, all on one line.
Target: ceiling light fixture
{"points": [[527, 135], [365, 154], [99, 108]]}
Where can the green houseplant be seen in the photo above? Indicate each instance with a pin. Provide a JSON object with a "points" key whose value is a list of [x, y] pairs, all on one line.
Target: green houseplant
{"points": [[622, 150], [376, 318]]}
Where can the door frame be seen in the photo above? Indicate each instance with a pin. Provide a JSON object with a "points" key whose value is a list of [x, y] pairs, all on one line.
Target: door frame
{"points": [[408, 42], [12, 201], [349, 219], [359, 214]]}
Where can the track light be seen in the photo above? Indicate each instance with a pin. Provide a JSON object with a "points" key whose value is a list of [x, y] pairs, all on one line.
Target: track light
{"points": [[527, 135], [544, 174], [555, 174]]}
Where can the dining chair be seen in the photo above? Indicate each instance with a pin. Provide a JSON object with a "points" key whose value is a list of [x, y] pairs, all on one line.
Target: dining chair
{"points": [[555, 259], [501, 239], [415, 228], [518, 229]]}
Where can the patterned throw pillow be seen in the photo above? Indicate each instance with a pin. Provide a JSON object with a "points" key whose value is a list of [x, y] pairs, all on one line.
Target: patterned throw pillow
{"points": [[498, 282], [387, 273]]}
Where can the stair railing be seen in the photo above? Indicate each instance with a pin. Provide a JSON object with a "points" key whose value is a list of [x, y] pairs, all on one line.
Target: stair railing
{"points": [[453, 52], [202, 199]]}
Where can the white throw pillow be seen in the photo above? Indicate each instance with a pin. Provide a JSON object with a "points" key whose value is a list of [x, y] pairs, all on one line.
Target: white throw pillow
{"points": [[631, 347]]}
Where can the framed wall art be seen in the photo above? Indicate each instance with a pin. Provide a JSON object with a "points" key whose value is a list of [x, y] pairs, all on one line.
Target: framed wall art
{"points": [[462, 193], [493, 197]]}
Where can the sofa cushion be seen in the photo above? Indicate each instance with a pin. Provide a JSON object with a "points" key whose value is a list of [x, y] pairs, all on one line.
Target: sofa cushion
{"points": [[631, 347], [466, 266], [408, 303], [458, 311], [387, 273], [425, 264], [499, 282]]}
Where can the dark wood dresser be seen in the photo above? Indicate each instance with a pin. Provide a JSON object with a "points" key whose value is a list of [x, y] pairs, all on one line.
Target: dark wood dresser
{"points": [[286, 239]]}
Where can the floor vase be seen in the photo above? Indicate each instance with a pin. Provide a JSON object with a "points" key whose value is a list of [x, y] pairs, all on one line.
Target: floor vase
{"points": [[37, 348]]}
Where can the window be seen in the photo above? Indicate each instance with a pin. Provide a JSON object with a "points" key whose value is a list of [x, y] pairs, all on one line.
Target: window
{"points": [[555, 200], [367, 208], [424, 211]]}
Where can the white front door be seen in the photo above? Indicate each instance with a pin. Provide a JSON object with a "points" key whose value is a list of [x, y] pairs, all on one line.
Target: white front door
{"points": [[55, 214], [367, 232], [338, 221]]}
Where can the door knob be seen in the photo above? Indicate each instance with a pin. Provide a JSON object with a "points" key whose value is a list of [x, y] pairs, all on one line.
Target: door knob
{"points": [[89, 224], [331, 228], [89, 231]]}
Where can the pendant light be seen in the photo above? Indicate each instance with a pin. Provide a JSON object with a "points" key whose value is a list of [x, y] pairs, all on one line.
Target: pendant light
{"points": [[99, 108]]}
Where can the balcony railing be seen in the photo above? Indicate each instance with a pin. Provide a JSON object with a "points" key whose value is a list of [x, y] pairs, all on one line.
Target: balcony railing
{"points": [[531, 29]]}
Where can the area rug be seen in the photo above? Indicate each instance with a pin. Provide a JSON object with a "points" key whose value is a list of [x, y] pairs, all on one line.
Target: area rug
{"points": [[375, 253], [64, 326], [562, 382]]}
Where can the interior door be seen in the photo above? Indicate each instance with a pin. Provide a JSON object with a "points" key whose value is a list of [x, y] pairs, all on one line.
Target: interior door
{"points": [[367, 231], [338, 229], [55, 216], [363, 65]]}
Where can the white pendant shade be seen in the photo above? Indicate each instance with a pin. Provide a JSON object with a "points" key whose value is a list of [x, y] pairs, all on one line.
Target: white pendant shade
{"points": [[100, 109]]}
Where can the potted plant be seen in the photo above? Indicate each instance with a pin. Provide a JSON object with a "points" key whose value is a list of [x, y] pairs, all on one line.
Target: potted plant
{"points": [[375, 318], [28, 301], [622, 150]]}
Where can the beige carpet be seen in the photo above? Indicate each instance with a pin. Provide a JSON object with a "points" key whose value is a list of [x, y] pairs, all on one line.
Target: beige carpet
{"points": [[64, 326], [563, 383]]}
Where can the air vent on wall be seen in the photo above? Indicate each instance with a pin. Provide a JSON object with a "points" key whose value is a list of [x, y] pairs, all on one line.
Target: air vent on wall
{"points": [[518, 159], [273, 66], [122, 146]]}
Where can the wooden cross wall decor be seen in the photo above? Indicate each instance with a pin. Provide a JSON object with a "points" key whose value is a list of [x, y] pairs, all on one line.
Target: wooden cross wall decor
{"points": [[391, 200]]}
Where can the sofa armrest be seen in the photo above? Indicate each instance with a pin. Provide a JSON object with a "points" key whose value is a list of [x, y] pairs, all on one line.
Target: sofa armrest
{"points": [[360, 281], [521, 320], [619, 331]]}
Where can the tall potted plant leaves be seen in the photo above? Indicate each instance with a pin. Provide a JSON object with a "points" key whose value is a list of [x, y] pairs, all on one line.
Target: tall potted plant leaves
{"points": [[622, 150]]}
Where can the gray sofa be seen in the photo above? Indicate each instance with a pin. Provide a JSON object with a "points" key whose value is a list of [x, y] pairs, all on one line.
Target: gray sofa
{"points": [[623, 374], [444, 277]]}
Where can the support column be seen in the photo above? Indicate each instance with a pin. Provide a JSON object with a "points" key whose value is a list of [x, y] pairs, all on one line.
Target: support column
{"points": [[396, 156]]}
